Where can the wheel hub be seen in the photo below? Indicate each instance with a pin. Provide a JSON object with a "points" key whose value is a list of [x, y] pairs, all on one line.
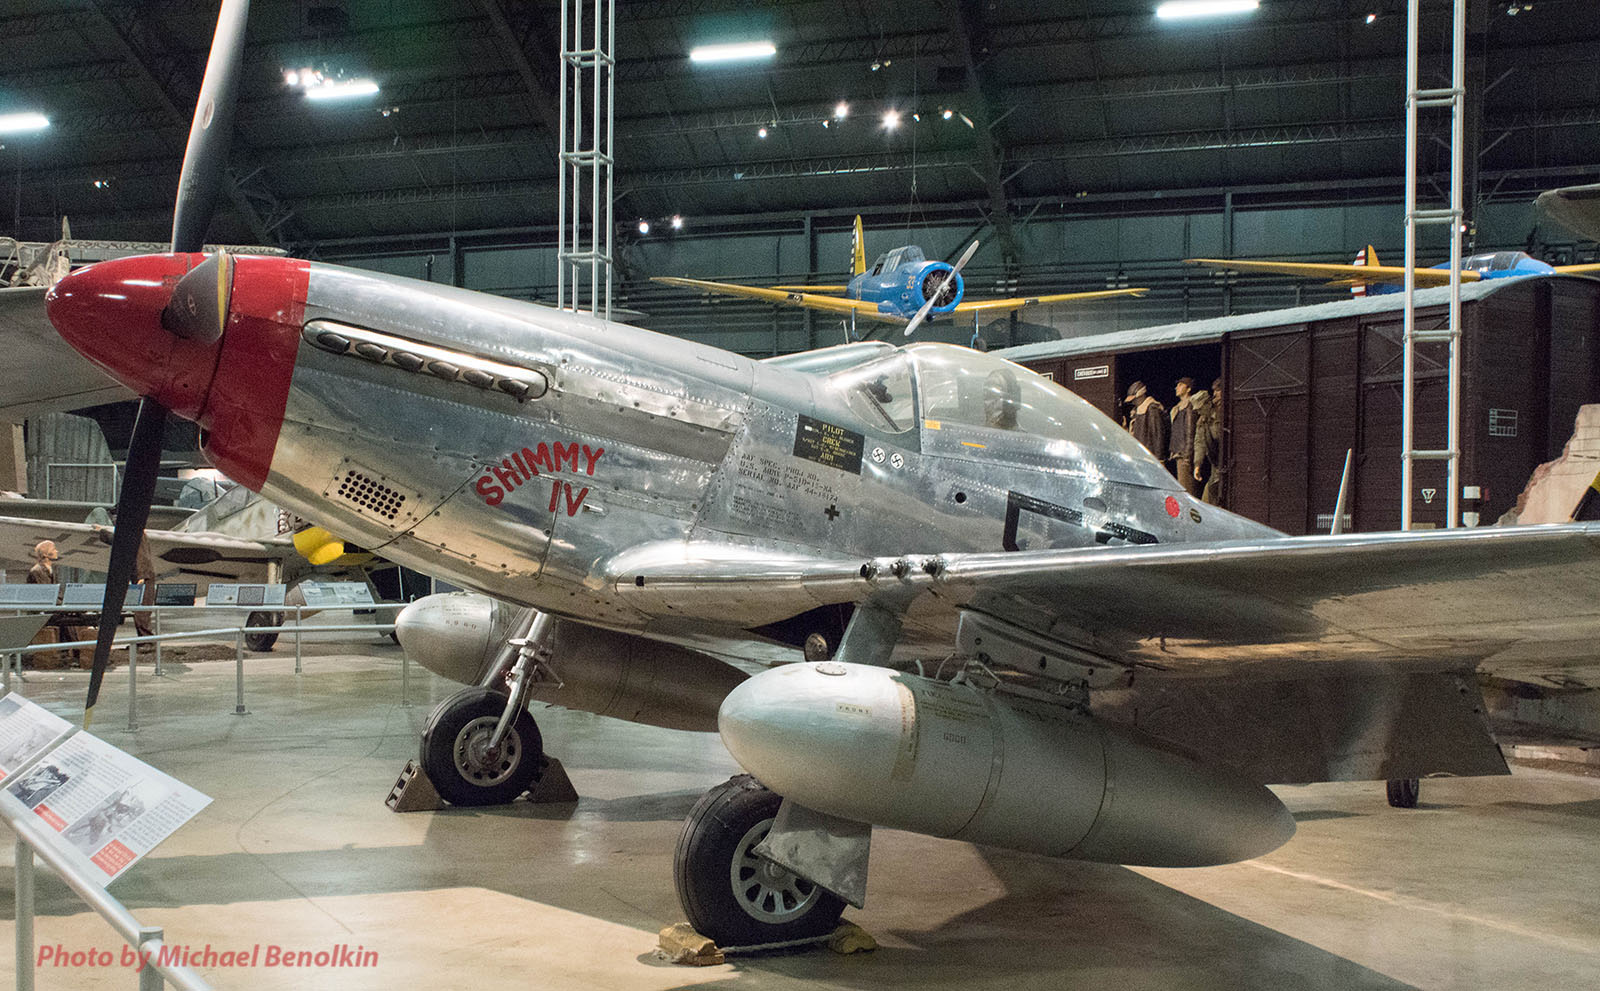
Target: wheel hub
{"points": [[765, 890], [477, 761]]}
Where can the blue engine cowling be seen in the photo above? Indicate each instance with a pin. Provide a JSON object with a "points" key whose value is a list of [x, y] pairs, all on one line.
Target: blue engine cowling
{"points": [[921, 282]]}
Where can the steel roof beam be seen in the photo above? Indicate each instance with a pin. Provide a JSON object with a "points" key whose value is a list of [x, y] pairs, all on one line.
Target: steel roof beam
{"points": [[971, 34]]}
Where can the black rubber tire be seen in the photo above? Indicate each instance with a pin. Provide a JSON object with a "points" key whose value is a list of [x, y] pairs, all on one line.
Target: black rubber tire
{"points": [[501, 778], [260, 643], [703, 869], [1404, 792]]}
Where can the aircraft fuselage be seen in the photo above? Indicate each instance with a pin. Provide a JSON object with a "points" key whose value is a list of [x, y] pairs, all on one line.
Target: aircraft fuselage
{"points": [[902, 280], [1489, 265], [519, 450]]}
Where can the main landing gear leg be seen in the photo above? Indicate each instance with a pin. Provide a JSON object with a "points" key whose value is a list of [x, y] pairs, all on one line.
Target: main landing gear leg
{"points": [[482, 747], [1404, 792]]}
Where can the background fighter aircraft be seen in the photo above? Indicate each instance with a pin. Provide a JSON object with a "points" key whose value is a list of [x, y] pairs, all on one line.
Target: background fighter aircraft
{"points": [[901, 287], [1129, 665], [1366, 274]]}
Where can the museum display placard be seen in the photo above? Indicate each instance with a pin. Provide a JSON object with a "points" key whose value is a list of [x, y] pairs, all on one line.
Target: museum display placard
{"points": [[107, 808]]}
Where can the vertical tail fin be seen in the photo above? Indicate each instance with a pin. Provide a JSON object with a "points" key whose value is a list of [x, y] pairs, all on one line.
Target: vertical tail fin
{"points": [[1366, 256], [860, 266]]}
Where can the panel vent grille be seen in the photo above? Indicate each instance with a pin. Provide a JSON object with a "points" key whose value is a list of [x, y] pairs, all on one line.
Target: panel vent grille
{"points": [[371, 494]]}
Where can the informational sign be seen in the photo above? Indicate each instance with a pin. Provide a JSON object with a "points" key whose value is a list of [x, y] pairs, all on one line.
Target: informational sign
{"points": [[26, 731], [85, 595], [1502, 423], [336, 595], [245, 595], [827, 444], [1091, 372], [29, 596], [176, 593], [108, 808]]}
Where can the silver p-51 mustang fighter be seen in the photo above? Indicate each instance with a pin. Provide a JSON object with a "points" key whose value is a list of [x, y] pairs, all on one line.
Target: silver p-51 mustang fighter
{"points": [[1020, 630]]}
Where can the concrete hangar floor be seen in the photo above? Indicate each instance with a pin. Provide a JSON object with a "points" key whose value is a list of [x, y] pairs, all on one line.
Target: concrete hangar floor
{"points": [[1490, 883]]}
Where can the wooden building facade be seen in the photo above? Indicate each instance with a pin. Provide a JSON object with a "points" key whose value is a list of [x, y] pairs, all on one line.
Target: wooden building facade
{"points": [[1302, 386]]}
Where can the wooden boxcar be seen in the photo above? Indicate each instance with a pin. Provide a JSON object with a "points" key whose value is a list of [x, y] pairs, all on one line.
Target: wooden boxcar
{"points": [[1302, 386]]}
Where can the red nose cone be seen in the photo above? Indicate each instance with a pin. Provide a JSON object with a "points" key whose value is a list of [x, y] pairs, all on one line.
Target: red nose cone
{"points": [[111, 313]]}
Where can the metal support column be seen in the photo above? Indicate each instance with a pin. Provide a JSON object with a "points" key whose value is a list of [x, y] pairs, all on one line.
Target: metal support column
{"points": [[1417, 98], [584, 237]]}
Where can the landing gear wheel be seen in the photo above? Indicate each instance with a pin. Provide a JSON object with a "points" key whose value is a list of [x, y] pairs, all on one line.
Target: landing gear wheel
{"points": [[1404, 792], [730, 894], [456, 753], [261, 642]]}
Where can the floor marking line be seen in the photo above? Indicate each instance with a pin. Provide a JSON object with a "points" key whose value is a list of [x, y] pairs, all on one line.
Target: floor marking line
{"points": [[1407, 901]]}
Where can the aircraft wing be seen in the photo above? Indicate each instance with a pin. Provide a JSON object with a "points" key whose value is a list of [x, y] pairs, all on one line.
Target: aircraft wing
{"points": [[822, 289], [1298, 659], [808, 300], [1514, 601], [42, 373], [1590, 268], [203, 557], [1017, 303], [1576, 208], [1340, 275]]}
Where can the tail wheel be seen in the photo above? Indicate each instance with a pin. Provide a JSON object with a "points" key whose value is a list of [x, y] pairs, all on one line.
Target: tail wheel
{"points": [[1404, 792], [463, 767], [262, 642], [728, 892]]}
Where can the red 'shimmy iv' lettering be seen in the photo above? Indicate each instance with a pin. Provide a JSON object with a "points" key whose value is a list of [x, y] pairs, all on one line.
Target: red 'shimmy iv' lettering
{"points": [[499, 480]]}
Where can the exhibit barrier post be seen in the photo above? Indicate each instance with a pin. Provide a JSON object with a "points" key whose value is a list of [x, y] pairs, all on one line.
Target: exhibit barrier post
{"points": [[150, 979], [24, 889], [299, 621], [158, 643], [34, 841], [405, 680], [238, 674], [133, 686]]}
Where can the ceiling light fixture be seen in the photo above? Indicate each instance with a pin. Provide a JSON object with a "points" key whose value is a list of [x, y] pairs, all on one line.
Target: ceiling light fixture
{"points": [[841, 110], [677, 222], [741, 51], [761, 133], [1178, 9], [949, 114], [644, 227], [891, 119], [1371, 18], [23, 122], [345, 89]]}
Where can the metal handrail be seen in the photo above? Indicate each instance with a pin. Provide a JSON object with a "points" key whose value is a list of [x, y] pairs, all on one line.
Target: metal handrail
{"points": [[237, 632], [32, 841]]}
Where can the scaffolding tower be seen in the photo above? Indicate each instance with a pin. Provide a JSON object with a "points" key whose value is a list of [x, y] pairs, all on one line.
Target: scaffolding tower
{"points": [[587, 122], [1417, 99]]}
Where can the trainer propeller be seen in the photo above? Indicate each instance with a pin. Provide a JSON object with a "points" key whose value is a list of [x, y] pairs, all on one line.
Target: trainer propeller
{"points": [[198, 310], [937, 294]]}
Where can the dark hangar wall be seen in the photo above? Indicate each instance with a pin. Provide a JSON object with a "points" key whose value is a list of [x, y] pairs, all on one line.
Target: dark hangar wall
{"points": [[1300, 394]]}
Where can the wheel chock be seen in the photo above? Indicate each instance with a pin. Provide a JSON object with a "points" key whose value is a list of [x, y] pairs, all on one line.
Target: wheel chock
{"points": [[679, 943], [851, 938], [413, 792], [552, 786]]}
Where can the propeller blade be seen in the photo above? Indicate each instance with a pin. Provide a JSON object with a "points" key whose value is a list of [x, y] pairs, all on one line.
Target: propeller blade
{"points": [[133, 511], [922, 314], [205, 158], [966, 256], [198, 310]]}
